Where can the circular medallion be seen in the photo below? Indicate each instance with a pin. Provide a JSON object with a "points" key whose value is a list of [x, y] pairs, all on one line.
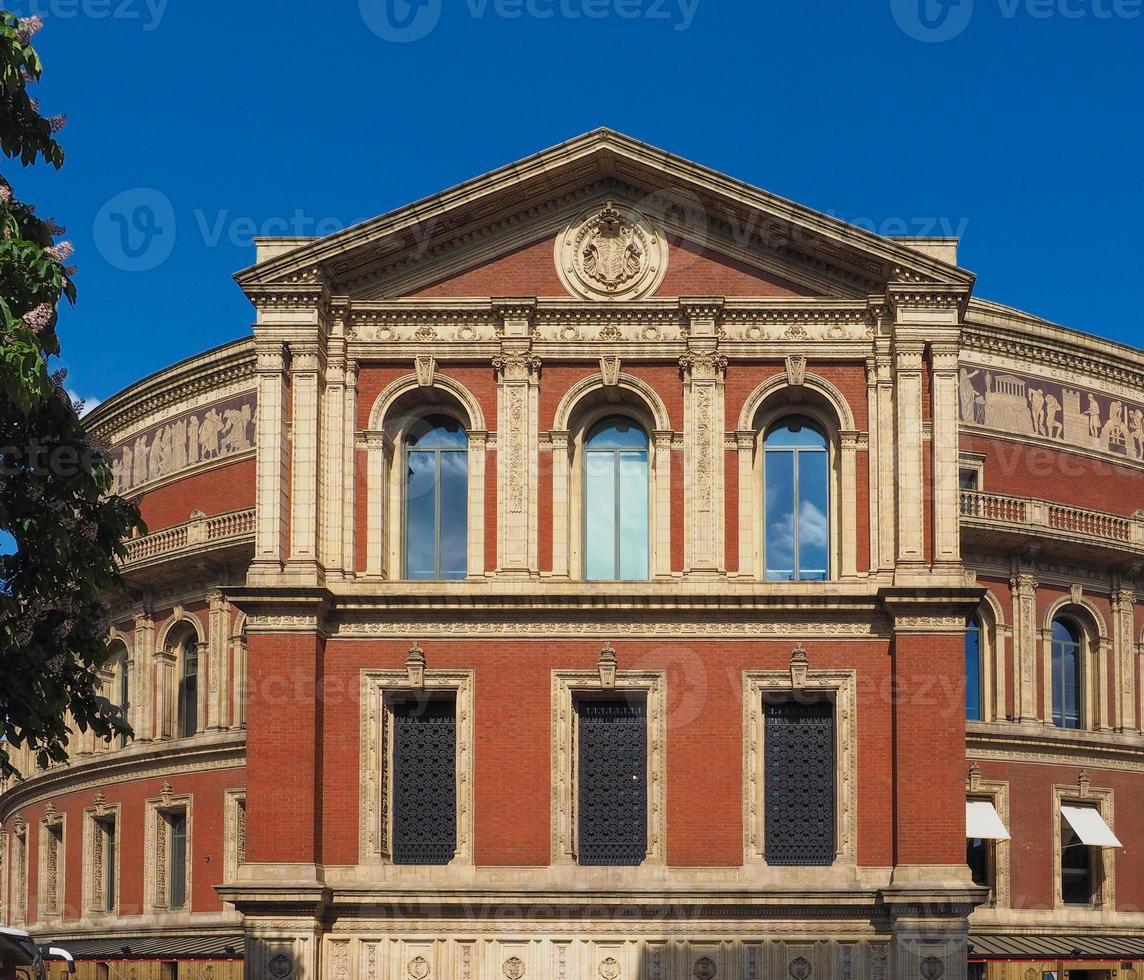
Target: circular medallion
{"points": [[418, 968], [611, 252], [800, 968], [932, 968], [705, 968], [609, 968], [514, 968], [280, 966]]}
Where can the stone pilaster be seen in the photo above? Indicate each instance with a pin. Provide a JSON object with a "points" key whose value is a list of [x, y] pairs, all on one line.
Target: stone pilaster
{"points": [[883, 468], [218, 667], [745, 442], [561, 442], [518, 409], [307, 375], [946, 525], [1023, 591], [704, 372], [271, 461], [349, 483], [142, 681], [910, 502], [333, 449], [1124, 654]]}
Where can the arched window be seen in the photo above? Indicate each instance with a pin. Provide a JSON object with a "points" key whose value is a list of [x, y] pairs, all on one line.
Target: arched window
{"points": [[188, 693], [1066, 674], [436, 499], [796, 502], [973, 672], [616, 501]]}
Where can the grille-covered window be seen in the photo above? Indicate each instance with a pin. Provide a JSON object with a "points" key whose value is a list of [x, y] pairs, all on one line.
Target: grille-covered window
{"points": [[424, 781], [799, 751], [612, 781]]}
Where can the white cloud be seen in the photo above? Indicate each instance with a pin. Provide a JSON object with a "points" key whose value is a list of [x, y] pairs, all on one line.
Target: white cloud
{"points": [[88, 403]]}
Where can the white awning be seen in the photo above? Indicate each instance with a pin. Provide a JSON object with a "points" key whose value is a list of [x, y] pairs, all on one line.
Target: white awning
{"points": [[1089, 826], [982, 821]]}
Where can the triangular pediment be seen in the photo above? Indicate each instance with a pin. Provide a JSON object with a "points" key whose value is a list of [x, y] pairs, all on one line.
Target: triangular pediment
{"points": [[498, 235]]}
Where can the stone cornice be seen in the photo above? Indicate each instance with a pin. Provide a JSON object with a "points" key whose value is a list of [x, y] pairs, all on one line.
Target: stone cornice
{"points": [[140, 760], [223, 370], [1038, 744], [822, 245]]}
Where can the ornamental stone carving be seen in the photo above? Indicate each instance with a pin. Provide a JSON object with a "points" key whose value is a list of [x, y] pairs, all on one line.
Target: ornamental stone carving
{"points": [[611, 253], [800, 968], [609, 968], [513, 968], [280, 966], [705, 968], [932, 968], [418, 968]]}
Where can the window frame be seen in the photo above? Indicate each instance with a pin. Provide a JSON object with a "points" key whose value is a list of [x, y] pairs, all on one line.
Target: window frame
{"points": [[976, 625], [1080, 642], [375, 829], [52, 860], [839, 686], [567, 686], [436, 452], [1082, 793], [807, 421], [95, 849], [157, 893], [616, 453], [995, 791]]}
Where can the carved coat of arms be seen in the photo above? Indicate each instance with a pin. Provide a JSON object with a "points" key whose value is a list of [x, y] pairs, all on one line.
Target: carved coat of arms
{"points": [[513, 968], [611, 253]]}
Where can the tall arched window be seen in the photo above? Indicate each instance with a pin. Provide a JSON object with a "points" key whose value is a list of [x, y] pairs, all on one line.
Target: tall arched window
{"points": [[973, 685], [436, 499], [188, 694], [796, 502], [1066, 674], [616, 501]]}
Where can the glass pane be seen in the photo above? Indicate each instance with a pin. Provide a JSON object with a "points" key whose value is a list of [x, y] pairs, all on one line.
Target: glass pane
{"points": [[600, 515], [617, 433], [813, 515], [1071, 686], [454, 514], [1076, 869], [779, 511], [795, 433], [977, 857], [633, 515], [421, 515], [437, 432], [1064, 633], [973, 672], [109, 865], [178, 869]]}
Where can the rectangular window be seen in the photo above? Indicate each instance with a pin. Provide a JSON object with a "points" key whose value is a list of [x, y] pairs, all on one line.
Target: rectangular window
{"points": [[799, 791], [967, 479], [612, 780], [1077, 877], [177, 867], [424, 780]]}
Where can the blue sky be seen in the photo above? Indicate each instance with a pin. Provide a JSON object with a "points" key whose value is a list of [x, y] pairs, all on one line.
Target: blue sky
{"points": [[1014, 123]]}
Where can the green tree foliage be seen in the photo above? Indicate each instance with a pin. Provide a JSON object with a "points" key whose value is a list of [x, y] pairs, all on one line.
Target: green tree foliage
{"points": [[55, 485]]}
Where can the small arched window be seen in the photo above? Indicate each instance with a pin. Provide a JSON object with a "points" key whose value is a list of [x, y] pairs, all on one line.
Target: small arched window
{"points": [[796, 502], [122, 689], [188, 693], [1066, 674], [973, 672], [616, 501], [436, 499]]}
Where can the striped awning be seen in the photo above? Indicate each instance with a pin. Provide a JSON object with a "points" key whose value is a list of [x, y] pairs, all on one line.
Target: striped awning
{"points": [[167, 947], [1056, 947]]}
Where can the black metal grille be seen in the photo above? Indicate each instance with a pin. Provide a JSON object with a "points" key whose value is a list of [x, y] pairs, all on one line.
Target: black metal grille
{"points": [[799, 782], [613, 781], [424, 781]]}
